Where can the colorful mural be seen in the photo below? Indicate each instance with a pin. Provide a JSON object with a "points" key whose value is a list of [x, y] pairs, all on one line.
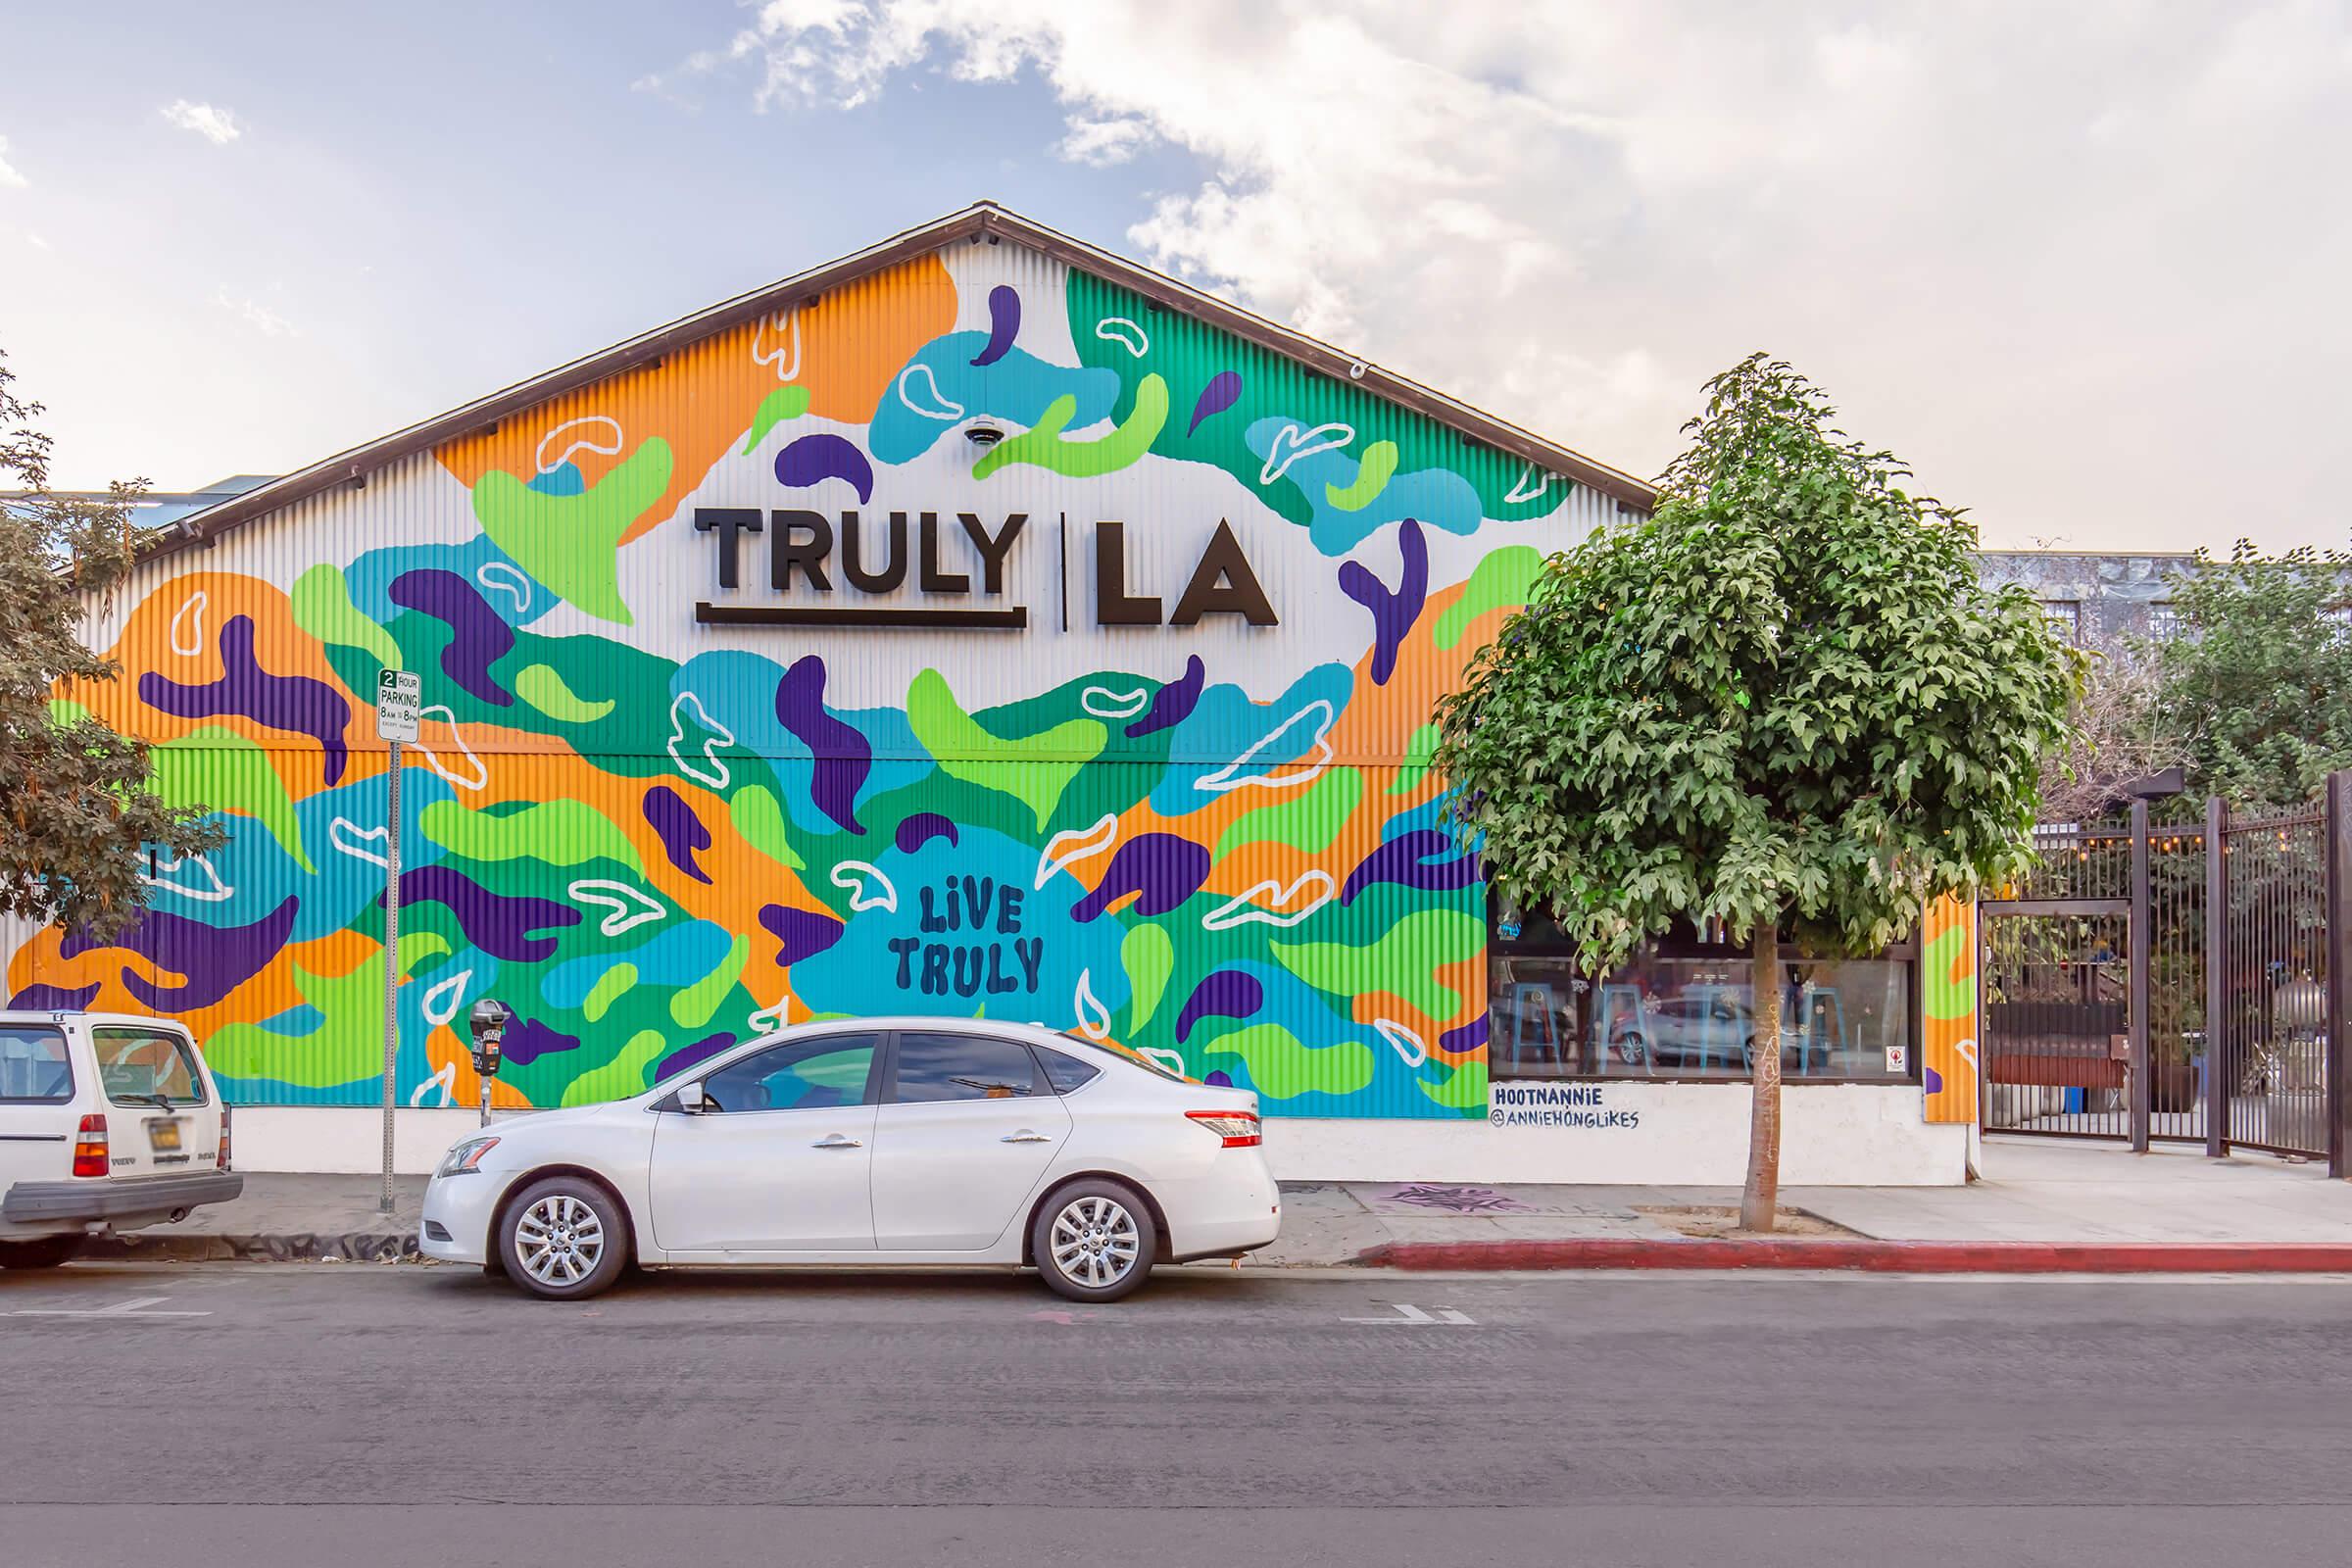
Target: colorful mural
{"points": [[655, 837], [1947, 946]]}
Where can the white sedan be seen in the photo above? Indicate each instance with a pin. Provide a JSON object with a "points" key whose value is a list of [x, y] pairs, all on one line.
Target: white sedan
{"points": [[878, 1143]]}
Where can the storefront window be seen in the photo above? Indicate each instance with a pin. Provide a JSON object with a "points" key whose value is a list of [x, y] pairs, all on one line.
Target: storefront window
{"points": [[1684, 1008]]}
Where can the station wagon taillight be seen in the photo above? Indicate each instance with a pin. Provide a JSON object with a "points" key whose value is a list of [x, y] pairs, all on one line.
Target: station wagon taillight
{"points": [[1238, 1128], [222, 1163], [89, 1147]]}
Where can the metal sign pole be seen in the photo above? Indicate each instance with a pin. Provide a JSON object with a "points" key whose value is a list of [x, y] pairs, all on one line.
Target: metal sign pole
{"points": [[391, 963]]}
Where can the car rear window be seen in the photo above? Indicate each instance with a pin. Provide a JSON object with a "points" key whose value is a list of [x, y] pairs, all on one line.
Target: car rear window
{"points": [[147, 1068], [34, 1068]]}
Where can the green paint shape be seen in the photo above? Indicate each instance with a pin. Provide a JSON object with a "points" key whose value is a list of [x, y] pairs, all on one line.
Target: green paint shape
{"points": [[572, 543], [1308, 823], [1283, 1068], [348, 1044], [1044, 446], [323, 607], [1945, 996], [1404, 961], [1148, 958], [760, 823], [1418, 753], [1041, 766], [1379, 466], [609, 987], [694, 1006], [784, 403], [1502, 581], [222, 769], [543, 688], [624, 1075], [1465, 1090], [554, 833]]}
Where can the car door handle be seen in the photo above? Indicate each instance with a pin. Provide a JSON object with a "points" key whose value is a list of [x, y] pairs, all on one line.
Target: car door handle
{"points": [[837, 1141], [1024, 1135]]}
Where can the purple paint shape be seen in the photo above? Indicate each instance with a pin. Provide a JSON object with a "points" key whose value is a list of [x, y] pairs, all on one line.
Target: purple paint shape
{"points": [[843, 758], [1394, 611], [798, 933], [1174, 702], [1163, 868], [683, 835], [685, 1056], [494, 922], [530, 1039], [1227, 994], [1931, 1080], [1221, 1079], [1003, 323], [1410, 859], [293, 703], [1469, 1037], [814, 459], [215, 960], [478, 636], [46, 998], [921, 829], [1223, 390]]}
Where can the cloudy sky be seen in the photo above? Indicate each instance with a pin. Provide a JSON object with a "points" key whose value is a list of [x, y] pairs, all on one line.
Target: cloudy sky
{"points": [[2084, 265]]}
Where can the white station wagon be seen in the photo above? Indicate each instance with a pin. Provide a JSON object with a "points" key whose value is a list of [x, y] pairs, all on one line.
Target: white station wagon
{"points": [[878, 1143], [108, 1121]]}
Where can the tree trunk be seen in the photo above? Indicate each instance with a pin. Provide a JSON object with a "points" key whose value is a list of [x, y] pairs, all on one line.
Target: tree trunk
{"points": [[1763, 1194]]}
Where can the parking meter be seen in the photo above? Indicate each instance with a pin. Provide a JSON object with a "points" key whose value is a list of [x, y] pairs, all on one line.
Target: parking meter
{"points": [[488, 1022]]}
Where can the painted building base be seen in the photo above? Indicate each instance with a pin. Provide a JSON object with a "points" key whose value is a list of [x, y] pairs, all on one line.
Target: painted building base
{"points": [[1677, 1135]]}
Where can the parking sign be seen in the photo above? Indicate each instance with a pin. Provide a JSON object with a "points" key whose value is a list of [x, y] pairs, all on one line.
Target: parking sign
{"points": [[398, 694]]}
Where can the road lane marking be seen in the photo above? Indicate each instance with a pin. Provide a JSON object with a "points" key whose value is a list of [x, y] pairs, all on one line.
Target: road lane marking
{"points": [[138, 1306], [1447, 1317]]}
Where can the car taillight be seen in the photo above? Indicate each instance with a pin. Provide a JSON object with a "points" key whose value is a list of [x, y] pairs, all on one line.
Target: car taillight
{"points": [[222, 1163], [89, 1148], [1238, 1128]]}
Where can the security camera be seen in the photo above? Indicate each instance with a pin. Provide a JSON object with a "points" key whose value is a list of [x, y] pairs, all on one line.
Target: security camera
{"points": [[982, 435]]}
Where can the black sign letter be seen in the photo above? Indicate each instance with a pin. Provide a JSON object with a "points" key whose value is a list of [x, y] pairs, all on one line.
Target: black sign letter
{"points": [[993, 551], [1114, 605], [731, 524], [1223, 563], [786, 551]]}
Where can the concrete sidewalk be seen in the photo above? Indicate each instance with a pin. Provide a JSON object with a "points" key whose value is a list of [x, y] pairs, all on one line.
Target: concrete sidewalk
{"points": [[2041, 1206]]}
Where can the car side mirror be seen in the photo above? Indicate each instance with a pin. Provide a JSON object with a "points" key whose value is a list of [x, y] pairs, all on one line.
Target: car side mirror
{"points": [[690, 1098]]}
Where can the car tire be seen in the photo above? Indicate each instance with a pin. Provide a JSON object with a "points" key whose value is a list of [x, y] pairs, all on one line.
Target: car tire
{"points": [[42, 1252], [564, 1239], [1632, 1050], [1081, 1233]]}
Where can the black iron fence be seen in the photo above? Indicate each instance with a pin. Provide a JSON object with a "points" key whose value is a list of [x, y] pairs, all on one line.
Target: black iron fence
{"points": [[2175, 980]]}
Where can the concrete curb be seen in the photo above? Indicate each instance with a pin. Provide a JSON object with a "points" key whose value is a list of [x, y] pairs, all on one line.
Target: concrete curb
{"points": [[348, 1246], [1870, 1255]]}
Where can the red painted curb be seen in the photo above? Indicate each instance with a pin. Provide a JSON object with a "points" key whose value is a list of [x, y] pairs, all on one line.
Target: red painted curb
{"points": [[1878, 1257]]}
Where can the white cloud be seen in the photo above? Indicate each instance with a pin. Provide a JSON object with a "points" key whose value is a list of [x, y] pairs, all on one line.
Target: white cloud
{"points": [[2083, 275], [216, 126], [254, 313], [9, 180]]}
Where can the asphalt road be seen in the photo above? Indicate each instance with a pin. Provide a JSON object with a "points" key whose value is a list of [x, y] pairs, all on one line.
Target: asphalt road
{"points": [[362, 1414]]}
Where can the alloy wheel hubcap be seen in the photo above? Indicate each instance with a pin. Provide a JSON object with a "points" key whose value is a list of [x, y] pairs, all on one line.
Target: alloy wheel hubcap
{"points": [[1095, 1240], [559, 1239]]}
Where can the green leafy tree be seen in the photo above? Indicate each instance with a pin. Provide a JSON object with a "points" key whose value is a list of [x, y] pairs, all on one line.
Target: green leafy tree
{"points": [[78, 815], [2257, 679], [1784, 702]]}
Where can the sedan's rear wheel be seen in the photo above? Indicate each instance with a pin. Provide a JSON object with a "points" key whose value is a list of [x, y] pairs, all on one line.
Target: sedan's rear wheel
{"points": [[564, 1239], [1093, 1241], [42, 1252]]}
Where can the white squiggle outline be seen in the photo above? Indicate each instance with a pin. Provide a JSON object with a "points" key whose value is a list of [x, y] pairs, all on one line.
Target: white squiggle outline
{"points": [[520, 587], [1224, 778], [861, 893], [775, 356], [1243, 908], [1303, 444], [955, 409], [1139, 345], [1173, 1060], [1047, 863], [433, 757], [539, 452], [619, 898], [1116, 705], [1083, 1000], [768, 1020], [365, 835], [454, 987], [447, 1080], [1519, 491], [677, 734], [1399, 1039], [165, 864], [195, 603]]}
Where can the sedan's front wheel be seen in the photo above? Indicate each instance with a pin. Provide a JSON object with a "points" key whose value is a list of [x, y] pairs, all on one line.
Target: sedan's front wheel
{"points": [[1093, 1241], [564, 1239]]}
